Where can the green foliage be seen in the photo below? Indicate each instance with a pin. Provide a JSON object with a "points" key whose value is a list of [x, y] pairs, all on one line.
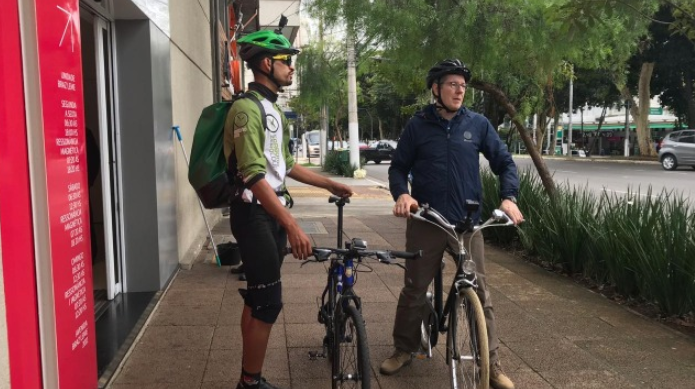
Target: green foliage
{"points": [[642, 245], [337, 162]]}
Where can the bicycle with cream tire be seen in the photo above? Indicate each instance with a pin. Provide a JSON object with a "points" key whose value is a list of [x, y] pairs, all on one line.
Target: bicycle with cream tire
{"points": [[461, 317]]}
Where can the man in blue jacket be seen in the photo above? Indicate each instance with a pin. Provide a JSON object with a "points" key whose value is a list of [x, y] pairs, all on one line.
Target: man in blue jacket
{"points": [[440, 146]]}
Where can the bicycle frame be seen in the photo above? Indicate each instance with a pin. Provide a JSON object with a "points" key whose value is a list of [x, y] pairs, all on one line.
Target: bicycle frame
{"points": [[465, 276]]}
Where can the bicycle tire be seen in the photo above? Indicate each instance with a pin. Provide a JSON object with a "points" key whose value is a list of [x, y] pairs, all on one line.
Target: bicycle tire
{"points": [[467, 337], [350, 364]]}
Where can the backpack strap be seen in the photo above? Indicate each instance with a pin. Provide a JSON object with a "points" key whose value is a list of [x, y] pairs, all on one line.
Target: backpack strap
{"points": [[253, 98]]}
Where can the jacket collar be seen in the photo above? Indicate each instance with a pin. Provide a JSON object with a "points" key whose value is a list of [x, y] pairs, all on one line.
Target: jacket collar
{"points": [[430, 113], [263, 90]]}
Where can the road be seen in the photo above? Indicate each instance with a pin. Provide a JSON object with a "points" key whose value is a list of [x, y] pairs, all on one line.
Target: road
{"points": [[598, 176]]}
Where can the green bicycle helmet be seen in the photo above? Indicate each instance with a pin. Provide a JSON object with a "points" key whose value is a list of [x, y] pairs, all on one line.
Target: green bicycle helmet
{"points": [[264, 42]]}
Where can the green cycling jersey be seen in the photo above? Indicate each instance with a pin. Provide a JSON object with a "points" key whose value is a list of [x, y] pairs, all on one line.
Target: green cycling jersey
{"points": [[260, 152]]}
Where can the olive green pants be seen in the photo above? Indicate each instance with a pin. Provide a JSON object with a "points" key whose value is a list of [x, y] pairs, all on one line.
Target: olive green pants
{"points": [[419, 274]]}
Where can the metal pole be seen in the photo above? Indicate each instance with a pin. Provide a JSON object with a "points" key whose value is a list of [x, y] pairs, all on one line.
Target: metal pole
{"points": [[569, 127], [627, 128], [353, 125], [200, 203]]}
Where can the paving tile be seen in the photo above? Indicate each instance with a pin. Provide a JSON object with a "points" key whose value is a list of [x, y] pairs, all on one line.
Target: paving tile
{"points": [[158, 366], [549, 354], [598, 379], [185, 315], [305, 335], [177, 337], [305, 313], [189, 385], [193, 297]]}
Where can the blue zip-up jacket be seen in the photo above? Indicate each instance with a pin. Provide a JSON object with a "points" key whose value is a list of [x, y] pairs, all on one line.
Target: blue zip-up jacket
{"points": [[443, 156]]}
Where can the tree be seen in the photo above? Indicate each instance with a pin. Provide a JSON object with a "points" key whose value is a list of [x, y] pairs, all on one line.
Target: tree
{"points": [[674, 56], [515, 48]]}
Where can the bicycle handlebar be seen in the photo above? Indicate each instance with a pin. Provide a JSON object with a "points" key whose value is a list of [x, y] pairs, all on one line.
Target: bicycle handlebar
{"points": [[428, 214], [324, 253]]}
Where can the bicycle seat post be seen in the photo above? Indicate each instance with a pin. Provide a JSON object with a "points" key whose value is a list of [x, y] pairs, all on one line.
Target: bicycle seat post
{"points": [[340, 206], [340, 203]]}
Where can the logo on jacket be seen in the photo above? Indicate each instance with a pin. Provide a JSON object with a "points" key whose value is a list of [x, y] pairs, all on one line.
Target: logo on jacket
{"points": [[272, 122], [467, 136]]}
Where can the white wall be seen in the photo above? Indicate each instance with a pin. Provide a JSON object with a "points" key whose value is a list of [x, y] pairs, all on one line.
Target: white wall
{"points": [[191, 86]]}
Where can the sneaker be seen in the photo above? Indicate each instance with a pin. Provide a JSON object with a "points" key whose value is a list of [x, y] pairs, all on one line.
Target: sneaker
{"points": [[395, 362], [499, 380], [237, 270], [263, 384]]}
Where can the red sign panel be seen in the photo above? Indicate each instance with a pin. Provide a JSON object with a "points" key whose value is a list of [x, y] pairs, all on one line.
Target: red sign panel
{"points": [[16, 229], [60, 67]]}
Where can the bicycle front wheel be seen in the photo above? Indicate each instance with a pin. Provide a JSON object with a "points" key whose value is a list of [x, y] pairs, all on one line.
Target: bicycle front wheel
{"points": [[350, 350], [467, 347]]}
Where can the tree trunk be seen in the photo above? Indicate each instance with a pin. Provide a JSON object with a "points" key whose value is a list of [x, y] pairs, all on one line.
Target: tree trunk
{"points": [[687, 95], [644, 133], [542, 131], [503, 101]]}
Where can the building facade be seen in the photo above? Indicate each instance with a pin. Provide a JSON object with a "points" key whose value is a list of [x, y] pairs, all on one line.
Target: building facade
{"points": [[96, 212]]}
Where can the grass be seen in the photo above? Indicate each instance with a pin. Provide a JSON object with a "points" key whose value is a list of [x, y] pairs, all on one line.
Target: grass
{"points": [[641, 245]]}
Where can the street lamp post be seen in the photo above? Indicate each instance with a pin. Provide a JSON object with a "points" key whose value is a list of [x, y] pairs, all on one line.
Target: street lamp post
{"points": [[627, 128]]}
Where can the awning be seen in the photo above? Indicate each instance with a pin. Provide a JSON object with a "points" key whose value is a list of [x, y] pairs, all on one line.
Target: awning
{"points": [[613, 127]]}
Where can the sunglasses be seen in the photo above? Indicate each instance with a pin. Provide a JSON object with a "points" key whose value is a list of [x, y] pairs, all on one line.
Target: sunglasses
{"points": [[284, 58]]}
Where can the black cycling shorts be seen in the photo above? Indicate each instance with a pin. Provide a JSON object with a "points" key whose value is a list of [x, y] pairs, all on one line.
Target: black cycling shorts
{"points": [[262, 243]]}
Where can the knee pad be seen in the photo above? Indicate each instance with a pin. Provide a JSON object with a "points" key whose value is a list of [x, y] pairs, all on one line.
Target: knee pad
{"points": [[265, 301]]}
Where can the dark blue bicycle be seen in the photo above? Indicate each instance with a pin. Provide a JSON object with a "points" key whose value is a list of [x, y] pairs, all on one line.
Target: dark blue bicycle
{"points": [[345, 340]]}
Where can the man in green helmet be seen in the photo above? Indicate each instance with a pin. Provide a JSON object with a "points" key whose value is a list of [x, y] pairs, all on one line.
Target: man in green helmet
{"points": [[257, 147]]}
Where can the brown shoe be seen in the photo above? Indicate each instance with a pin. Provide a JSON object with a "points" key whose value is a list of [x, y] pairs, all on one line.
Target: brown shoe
{"points": [[395, 362], [499, 380]]}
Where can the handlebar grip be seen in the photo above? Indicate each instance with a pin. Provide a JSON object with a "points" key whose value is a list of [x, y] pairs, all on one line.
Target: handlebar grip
{"points": [[406, 254], [337, 199]]}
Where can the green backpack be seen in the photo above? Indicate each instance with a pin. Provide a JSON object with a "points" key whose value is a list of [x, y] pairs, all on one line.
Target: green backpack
{"points": [[213, 178]]}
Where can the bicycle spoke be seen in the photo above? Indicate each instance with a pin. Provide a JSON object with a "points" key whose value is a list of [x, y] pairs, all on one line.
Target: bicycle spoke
{"points": [[353, 369]]}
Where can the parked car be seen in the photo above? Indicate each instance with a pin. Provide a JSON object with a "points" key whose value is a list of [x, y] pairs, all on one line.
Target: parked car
{"points": [[313, 146], [678, 148], [380, 151]]}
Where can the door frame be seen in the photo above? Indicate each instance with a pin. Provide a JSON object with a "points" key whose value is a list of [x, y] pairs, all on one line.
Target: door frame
{"points": [[110, 150]]}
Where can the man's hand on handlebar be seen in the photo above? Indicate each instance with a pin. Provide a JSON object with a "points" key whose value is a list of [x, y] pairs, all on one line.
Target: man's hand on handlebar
{"points": [[405, 205], [299, 242], [339, 189], [512, 210]]}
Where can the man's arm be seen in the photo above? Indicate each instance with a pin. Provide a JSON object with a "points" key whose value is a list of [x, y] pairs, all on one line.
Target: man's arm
{"points": [[401, 164], [298, 240], [503, 166], [306, 176]]}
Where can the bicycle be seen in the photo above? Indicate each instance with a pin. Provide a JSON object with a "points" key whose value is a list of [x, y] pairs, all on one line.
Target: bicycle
{"points": [[340, 310], [467, 352]]}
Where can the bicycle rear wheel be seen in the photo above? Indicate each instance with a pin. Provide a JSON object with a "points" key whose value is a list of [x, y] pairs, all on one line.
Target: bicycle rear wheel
{"points": [[350, 350], [467, 347]]}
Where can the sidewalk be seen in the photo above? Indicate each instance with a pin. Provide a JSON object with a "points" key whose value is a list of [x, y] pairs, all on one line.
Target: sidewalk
{"points": [[553, 332]]}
